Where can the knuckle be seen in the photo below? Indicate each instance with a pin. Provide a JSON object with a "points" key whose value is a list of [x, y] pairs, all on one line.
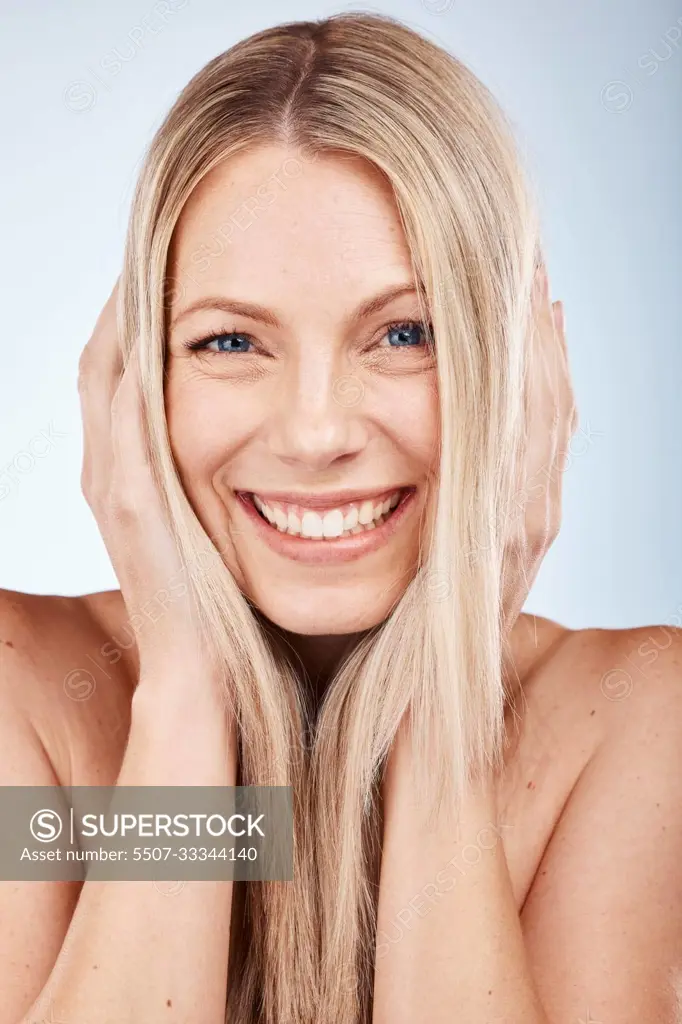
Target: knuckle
{"points": [[121, 508]]}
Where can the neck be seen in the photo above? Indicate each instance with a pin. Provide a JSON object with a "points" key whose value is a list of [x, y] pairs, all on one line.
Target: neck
{"points": [[319, 656]]}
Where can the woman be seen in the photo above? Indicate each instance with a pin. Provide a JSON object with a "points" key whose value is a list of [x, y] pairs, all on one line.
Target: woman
{"points": [[326, 410]]}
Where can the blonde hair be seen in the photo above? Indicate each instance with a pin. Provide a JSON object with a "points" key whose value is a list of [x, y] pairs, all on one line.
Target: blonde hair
{"points": [[366, 85]]}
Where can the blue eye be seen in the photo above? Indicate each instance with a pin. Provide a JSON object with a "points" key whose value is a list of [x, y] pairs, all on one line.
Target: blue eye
{"points": [[407, 335], [224, 341]]}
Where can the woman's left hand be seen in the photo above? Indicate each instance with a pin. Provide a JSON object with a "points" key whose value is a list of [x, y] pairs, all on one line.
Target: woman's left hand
{"points": [[551, 422], [534, 520]]}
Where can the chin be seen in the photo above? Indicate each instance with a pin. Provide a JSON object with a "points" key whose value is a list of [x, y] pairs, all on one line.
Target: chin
{"points": [[329, 610]]}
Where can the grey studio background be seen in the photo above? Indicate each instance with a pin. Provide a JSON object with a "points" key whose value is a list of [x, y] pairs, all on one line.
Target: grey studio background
{"points": [[593, 88]]}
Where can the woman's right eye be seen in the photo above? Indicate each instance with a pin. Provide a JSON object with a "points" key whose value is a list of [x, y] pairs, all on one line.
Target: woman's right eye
{"points": [[221, 341]]}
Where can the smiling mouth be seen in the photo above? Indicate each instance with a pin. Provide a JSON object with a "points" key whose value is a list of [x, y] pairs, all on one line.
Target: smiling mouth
{"points": [[332, 523]]}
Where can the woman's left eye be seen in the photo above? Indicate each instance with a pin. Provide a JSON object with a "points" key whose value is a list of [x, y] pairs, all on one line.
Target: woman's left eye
{"points": [[224, 341], [409, 334]]}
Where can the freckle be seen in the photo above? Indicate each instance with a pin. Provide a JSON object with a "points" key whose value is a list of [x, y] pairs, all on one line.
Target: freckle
{"points": [[168, 1002], [531, 785], [591, 712], [8, 643], [490, 991]]}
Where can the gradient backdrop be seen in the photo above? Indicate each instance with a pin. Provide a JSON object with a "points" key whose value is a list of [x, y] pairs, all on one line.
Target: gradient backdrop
{"points": [[594, 89]]}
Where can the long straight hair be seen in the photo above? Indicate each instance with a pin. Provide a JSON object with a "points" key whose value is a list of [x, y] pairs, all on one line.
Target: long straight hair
{"points": [[303, 952]]}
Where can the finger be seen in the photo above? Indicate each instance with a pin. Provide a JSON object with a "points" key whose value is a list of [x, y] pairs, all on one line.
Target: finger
{"points": [[558, 319], [560, 329], [554, 395], [102, 357], [131, 471], [537, 505], [548, 410], [99, 370]]}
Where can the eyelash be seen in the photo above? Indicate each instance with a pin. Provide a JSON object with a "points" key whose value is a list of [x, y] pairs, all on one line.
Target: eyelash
{"points": [[202, 343]]}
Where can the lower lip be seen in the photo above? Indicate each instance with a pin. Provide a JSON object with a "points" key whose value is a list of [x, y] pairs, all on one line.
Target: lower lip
{"points": [[327, 552]]}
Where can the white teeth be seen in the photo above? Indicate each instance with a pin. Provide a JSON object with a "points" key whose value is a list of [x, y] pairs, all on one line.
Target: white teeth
{"points": [[311, 525], [298, 521], [332, 524], [293, 524], [366, 513], [351, 519], [281, 519]]}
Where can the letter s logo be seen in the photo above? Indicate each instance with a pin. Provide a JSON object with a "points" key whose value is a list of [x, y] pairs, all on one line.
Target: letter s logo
{"points": [[46, 825]]}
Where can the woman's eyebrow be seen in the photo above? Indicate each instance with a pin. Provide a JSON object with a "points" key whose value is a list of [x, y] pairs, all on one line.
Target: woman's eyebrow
{"points": [[225, 305], [262, 314]]}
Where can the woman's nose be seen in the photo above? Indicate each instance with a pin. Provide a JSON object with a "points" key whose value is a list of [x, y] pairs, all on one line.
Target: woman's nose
{"points": [[318, 418]]}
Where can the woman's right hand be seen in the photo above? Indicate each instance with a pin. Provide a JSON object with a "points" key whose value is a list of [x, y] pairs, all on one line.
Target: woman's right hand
{"points": [[119, 487]]}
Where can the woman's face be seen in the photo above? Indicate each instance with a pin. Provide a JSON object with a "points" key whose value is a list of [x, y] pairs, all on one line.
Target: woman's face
{"points": [[305, 426]]}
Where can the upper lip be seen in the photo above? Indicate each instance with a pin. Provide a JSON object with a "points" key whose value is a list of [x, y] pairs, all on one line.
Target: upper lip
{"points": [[327, 499]]}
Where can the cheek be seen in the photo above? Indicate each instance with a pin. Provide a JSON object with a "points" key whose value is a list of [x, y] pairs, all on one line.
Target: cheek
{"points": [[410, 415], [206, 432], [207, 425]]}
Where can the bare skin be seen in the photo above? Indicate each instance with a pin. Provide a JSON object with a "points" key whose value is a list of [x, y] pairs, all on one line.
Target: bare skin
{"points": [[571, 709], [583, 740]]}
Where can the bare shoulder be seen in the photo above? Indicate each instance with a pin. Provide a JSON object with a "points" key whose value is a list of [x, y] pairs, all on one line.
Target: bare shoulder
{"points": [[623, 688], [54, 674], [607, 675], [579, 690], [604, 888], [583, 698]]}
